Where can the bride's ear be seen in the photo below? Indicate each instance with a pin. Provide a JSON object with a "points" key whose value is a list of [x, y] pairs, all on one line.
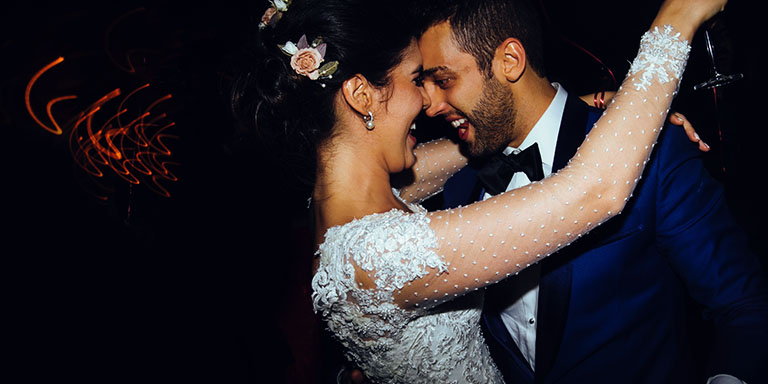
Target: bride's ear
{"points": [[358, 93]]}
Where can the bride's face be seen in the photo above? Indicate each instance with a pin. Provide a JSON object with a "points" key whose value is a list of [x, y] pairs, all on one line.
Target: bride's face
{"points": [[406, 100]]}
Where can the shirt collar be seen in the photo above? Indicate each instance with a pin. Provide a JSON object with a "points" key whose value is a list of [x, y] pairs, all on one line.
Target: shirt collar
{"points": [[546, 128]]}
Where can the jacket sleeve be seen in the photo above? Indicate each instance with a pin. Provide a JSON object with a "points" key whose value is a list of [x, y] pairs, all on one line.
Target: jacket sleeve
{"points": [[709, 252]]}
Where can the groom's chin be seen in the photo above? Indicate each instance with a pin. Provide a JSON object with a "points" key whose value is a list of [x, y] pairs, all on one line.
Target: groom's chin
{"points": [[478, 151]]}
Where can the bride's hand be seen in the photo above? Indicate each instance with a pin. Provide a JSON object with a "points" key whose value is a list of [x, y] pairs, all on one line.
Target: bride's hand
{"points": [[687, 15]]}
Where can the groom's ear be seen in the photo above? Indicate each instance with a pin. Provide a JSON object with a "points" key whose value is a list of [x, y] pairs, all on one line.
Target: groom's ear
{"points": [[358, 93], [509, 60]]}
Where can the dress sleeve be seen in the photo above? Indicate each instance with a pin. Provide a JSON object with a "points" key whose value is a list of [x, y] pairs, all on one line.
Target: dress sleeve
{"points": [[436, 162], [389, 249], [397, 249], [487, 241]]}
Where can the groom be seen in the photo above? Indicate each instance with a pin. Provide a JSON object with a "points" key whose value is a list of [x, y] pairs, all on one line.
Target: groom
{"points": [[612, 306]]}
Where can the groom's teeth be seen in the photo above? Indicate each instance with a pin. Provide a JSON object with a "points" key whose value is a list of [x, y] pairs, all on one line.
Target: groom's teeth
{"points": [[457, 123], [413, 126]]}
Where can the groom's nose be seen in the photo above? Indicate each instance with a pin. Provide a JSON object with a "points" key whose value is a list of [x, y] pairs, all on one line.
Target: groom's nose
{"points": [[436, 104]]}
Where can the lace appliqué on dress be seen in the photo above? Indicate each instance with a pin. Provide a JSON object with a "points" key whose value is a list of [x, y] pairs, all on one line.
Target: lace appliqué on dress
{"points": [[662, 55], [395, 247], [389, 343]]}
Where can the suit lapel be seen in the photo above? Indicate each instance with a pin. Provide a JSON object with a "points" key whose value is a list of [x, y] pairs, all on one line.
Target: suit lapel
{"points": [[555, 282], [462, 189], [572, 131]]}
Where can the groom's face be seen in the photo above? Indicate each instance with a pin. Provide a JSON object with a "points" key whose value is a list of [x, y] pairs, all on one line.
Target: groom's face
{"points": [[479, 107]]}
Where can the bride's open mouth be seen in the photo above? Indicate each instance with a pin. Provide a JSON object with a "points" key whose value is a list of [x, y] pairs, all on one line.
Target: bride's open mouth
{"points": [[410, 132]]}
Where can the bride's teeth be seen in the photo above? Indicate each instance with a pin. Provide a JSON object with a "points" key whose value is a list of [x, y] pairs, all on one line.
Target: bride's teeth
{"points": [[413, 126], [457, 123]]}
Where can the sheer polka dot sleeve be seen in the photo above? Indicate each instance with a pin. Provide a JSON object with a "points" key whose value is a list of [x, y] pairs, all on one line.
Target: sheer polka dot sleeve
{"points": [[436, 162], [487, 241]]}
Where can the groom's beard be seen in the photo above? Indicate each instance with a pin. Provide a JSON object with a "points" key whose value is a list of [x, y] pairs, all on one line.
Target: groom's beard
{"points": [[493, 119]]}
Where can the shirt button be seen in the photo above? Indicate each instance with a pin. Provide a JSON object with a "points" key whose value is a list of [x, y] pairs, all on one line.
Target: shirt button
{"points": [[531, 321]]}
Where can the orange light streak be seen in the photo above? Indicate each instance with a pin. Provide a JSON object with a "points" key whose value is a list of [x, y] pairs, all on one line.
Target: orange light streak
{"points": [[141, 132], [107, 125], [166, 172], [128, 96], [132, 150], [50, 115], [81, 157], [95, 138], [158, 101], [89, 126], [139, 166], [57, 130], [122, 171], [161, 147], [160, 190]]}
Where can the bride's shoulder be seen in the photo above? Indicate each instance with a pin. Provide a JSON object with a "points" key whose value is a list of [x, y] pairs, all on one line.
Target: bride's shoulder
{"points": [[377, 224], [390, 248], [378, 238]]}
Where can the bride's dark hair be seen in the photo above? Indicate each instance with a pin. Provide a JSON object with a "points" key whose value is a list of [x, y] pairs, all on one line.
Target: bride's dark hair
{"points": [[295, 113]]}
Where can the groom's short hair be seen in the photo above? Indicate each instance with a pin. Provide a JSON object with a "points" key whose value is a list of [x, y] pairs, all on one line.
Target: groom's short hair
{"points": [[479, 26]]}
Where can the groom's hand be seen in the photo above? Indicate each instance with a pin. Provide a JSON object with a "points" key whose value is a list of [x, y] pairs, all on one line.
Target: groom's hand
{"points": [[678, 118], [601, 99]]}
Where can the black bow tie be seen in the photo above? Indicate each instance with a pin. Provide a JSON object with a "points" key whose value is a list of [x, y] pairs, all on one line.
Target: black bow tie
{"points": [[498, 171]]}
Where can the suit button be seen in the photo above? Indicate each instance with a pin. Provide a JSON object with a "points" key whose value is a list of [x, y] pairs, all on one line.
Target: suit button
{"points": [[531, 321]]}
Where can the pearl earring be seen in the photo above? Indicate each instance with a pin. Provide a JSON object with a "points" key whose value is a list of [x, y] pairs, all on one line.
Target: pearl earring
{"points": [[369, 125]]}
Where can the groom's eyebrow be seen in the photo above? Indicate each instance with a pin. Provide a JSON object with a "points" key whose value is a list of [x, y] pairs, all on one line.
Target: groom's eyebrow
{"points": [[433, 70]]}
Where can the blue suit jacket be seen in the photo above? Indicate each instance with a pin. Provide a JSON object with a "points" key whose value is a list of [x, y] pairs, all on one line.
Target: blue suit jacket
{"points": [[612, 306]]}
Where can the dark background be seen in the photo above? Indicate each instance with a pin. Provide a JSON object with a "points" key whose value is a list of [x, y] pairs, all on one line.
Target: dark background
{"points": [[211, 284]]}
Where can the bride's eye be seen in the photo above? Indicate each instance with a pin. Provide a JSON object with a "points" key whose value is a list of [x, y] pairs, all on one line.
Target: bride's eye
{"points": [[419, 81]]}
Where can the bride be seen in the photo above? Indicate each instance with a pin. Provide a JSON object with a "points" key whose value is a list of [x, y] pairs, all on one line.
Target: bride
{"points": [[393, 282]]}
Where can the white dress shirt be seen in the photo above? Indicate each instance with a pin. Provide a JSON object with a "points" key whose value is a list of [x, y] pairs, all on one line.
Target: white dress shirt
{"points": [[519, 317]]}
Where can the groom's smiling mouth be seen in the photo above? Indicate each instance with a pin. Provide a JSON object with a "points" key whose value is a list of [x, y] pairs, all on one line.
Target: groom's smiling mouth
{"points": [[463, 127]]}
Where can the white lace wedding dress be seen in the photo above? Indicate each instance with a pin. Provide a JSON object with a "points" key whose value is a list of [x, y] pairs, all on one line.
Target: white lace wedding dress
{"points": [[393, 344], [421, 322]]}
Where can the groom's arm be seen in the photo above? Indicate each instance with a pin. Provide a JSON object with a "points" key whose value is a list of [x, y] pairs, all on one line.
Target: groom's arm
{"points": [[709, 252]]}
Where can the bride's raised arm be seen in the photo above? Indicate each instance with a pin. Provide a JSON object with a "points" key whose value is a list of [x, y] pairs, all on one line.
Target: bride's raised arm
{"points": [[438, 160], [482, 243]]}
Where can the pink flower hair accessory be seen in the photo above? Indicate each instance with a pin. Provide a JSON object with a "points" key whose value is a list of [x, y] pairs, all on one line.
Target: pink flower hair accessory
{"points": [[306, 59]]}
